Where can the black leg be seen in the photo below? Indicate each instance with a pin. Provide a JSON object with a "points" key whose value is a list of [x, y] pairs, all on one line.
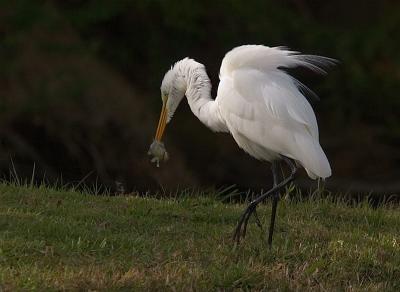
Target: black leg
{"points": [[241, 228], [275, 200]]}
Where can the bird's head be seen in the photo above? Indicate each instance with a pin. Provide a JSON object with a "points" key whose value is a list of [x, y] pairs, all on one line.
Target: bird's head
{"points": [[173, 88]]}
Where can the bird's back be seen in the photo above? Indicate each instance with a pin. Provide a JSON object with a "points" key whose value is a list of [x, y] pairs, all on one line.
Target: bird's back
{"points": [[265, 110]]}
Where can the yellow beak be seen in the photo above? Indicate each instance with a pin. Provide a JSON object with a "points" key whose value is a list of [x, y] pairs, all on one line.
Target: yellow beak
{"points": [[162, 122]]}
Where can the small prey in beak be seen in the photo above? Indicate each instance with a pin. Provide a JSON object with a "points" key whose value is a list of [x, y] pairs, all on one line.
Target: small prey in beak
{"points": [[157, 148], [158, 151]]}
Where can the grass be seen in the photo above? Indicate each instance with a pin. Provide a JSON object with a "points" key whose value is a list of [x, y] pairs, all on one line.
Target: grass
{"points": [[68, 240]]}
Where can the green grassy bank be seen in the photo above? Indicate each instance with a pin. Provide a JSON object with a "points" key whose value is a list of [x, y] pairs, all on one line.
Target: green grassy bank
{"points": [[69, 240]]}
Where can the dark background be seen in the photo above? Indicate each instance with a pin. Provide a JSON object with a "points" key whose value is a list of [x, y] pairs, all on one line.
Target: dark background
{"points": [[79, 89]]}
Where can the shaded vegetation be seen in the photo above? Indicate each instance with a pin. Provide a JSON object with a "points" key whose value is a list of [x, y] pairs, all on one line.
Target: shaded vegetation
{"points": [[79, 85], [68, 240]]}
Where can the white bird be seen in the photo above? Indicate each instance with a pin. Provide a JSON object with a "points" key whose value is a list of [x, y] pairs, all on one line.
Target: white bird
{"points": [[260, 105]]}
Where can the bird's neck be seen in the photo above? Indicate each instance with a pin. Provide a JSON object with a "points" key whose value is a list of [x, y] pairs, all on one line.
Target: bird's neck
{"points": [[198, 93]]}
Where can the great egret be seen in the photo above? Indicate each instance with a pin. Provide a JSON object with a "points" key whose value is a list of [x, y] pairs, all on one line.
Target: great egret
{"points": [[260, 105]]}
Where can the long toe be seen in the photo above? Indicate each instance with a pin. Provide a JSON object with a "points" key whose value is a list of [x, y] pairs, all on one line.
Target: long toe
{"points": [[241, 228]]}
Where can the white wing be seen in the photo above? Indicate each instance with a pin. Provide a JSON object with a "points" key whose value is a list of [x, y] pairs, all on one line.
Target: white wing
{"points": [[264, 109]]}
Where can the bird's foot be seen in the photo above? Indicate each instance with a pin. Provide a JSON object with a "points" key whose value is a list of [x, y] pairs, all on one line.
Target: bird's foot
{"points": [[258, 222], [241, 228]]}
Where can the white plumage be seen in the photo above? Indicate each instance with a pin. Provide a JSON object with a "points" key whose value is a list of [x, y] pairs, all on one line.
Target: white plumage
{"points": [[262, 106]]}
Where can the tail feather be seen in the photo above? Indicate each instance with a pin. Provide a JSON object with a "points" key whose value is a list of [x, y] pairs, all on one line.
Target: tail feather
{"points": [[311, 156]]}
